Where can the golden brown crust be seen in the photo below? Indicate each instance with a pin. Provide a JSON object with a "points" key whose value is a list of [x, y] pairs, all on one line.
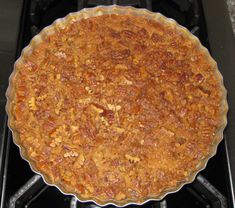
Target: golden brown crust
{"points": [[117, 107]]}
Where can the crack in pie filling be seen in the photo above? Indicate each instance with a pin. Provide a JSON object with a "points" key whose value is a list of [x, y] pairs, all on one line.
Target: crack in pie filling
{"points": [[117, 107]]}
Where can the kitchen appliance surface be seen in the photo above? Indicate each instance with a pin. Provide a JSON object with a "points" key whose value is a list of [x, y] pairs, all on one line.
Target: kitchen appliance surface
{"points": [[213, 187]]}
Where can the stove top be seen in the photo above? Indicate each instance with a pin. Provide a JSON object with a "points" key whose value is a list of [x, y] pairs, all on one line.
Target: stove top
{"points": [[212, 188]]}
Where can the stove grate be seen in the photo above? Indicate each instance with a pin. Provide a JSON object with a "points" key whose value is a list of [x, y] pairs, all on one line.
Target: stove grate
{"points": [[202, 192]]}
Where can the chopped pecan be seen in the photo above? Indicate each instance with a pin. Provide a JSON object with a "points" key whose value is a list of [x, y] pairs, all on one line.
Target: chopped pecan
{"points": [[125, 81], [109, 115], [61, 130], [58, 139], [128, 34], [115, 34], [41, 98], [97, 108], [166, 132], [32, 104], [89, 131], [114, 107], [101, 77], [185, 173], [121, 66], [143, 34], [60, 54], [132, 159], [58, 106], [120, 196], [120, 54], [84, 101], [58, 76], [199, 78], [118, 107], [90, 188], [119, 130], [105, 122], [53, 144], [156, 38], [79, 161], [22, 91], [204, 91], [89, 90], [90, 63], [70, 154], [181, 140], [74, 128]]}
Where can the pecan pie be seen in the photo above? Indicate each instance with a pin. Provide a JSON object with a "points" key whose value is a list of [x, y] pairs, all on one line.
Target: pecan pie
{"points": [[117, 106]]}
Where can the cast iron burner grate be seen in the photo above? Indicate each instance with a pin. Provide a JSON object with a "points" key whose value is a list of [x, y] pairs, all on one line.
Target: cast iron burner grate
{"points": [[23, 188], [201, 193], [186, 12]]}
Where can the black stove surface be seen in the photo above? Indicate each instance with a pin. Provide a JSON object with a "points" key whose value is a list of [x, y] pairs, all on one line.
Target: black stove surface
{"points": [[23, 188]]}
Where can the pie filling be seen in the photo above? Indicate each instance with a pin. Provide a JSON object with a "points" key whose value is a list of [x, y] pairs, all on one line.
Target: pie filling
{"points": [[117, 107]]}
